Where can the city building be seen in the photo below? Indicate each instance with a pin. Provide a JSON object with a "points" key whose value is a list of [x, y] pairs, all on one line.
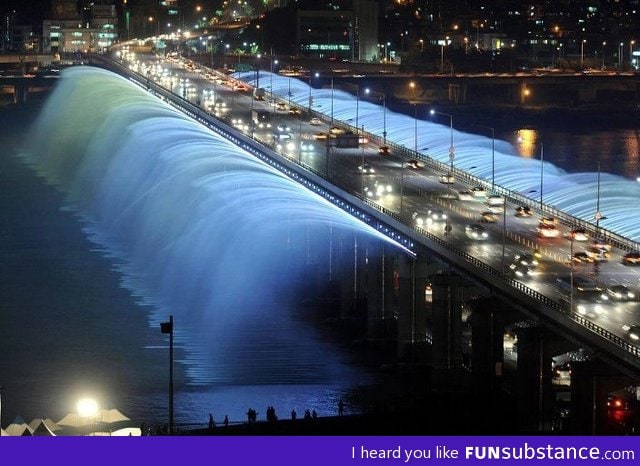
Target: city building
{"points": [[86, 26]]}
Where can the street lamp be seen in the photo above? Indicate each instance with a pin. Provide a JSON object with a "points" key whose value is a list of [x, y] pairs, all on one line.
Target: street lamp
{"points": [[167, 327], [631, 44], [316, 74], [493, 154], [442, 44], [582, 53], [273, 62], [384, 114], [452, 153], [603, 44], [598, 215], [620, 55]]}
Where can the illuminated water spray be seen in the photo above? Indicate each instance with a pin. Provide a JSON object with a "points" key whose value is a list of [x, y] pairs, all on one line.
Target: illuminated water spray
{"points": [[574, 193], [199, 228]]}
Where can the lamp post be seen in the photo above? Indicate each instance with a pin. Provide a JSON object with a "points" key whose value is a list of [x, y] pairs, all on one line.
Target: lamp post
{"points": [[452, 152], [582, 53], [167, 327], [271, 71], [620, 55], [493, 154], [384, 114], [331, 100], [603, 44], [541, 172], [598, 215], [415, 129], [316, 74], [631, 44]]}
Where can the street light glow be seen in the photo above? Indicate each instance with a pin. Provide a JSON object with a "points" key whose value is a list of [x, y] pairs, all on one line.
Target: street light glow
{"points": [[87, 407]]}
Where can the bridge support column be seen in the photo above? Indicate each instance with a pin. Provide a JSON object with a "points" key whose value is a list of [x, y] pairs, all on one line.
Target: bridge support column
{"points": [[533, 380], [412, 318], [448, 373], [350, 255], [381, 292], [487, 346], [591, 383]]}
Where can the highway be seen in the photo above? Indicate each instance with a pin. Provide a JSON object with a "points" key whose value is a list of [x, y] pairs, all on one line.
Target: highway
{"points": [[416, 192]]}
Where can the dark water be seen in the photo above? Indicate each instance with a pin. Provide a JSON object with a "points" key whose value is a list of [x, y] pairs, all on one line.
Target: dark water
{"points": [[68, 328]]}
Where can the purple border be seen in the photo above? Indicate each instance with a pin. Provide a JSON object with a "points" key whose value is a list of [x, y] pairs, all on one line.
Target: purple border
{"points": [[312, 451]]}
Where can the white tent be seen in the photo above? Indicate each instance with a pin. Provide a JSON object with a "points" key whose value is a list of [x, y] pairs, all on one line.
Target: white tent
{"points": [[19, 430], [44, 427], [104, 422]]}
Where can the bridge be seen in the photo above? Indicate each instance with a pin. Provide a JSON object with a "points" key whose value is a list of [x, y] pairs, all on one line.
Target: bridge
{"points": [[416, 294]]}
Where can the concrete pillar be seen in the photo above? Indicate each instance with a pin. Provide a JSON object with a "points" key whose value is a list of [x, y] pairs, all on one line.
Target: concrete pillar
{"points": [[591, 383], [351, 261], [381, 291], [412, 318], [487, 346], [533, 380], [447, 333]]}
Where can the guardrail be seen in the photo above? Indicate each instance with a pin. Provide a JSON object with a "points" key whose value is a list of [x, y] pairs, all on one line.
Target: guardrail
{"points": [[266, 154]]}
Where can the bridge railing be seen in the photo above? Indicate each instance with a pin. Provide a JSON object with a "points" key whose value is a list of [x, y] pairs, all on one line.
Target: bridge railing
{"points": [[266, 154]]}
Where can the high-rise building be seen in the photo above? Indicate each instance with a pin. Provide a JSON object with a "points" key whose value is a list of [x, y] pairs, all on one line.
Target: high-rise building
{"points": [[80, 26]]}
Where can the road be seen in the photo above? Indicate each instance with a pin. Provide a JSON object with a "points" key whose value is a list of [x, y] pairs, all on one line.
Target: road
{"points": [[411, 192]]}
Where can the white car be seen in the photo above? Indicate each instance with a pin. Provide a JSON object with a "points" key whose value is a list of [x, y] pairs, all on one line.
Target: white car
{"points": [[477, 232], [447, 178], [366, 169], [306, 146], [315, 121], [495, 200], [465, 196]]}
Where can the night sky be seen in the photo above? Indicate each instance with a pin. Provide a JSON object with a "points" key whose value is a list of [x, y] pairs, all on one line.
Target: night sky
{"points": [[29, 11]]}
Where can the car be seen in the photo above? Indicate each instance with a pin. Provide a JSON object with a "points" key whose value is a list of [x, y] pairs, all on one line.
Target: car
{"points": [[281, 107], [377, 190], [423, 219], [632, 258], [562, 374], [591, 311], [413, 164], [384, 150], [526, 259], [294, 111], [548, 220], [520, 270], [598, 254], [600, 244], [523, 211], [320, 136], [620, 293], [306, 146], [578, 234], [437, 215], [465, 196], [447, 178], [283, 127], [632, 331], [279, 136], [479, 191], [581, 257], [315, 121], [547, 230], [495, 200], [366, 169], [476, 232], [336, 130], [489, 217]]}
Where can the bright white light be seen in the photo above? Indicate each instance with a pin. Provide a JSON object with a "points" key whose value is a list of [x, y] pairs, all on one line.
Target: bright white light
{"points": [[87, 407]]}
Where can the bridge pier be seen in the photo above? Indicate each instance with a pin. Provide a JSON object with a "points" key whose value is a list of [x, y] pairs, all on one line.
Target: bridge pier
{"points": [[381, 292], [350, 260], [591, 383], [448, 372], [412, 319], [487, 346]]}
